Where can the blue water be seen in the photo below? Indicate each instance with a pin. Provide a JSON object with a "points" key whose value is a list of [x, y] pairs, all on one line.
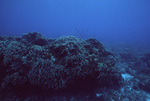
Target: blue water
{"points": [[118, 21]]}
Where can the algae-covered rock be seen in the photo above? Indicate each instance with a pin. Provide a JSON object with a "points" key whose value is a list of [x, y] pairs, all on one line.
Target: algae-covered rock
{"points": [[56, 64]]}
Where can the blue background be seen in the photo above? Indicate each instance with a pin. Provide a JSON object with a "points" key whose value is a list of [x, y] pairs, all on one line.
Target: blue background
{"points": [[112, 21]]}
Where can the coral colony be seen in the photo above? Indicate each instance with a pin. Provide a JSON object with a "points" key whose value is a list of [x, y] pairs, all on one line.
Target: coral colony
{"points": [[33, 67]]}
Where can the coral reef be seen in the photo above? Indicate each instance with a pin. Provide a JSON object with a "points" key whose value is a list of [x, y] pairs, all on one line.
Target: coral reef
{"points": [[55, 64], [33, 67]]}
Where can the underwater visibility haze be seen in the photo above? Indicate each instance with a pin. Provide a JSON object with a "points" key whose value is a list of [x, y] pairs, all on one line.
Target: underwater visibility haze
{"points": [[114, 21], [74, 50]]}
